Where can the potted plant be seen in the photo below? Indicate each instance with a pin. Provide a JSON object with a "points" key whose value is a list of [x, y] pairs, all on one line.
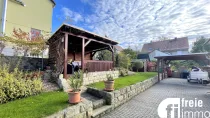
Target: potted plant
{"points": [[109, 84], [76, 81]]}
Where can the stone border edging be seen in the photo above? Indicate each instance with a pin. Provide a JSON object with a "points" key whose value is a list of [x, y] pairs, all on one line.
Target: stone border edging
{"points": [[122, 95], [83, 109]]}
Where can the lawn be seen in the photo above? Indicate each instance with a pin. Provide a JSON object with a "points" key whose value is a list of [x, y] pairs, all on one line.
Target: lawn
{"points": [[126, 81], [37, 106]]}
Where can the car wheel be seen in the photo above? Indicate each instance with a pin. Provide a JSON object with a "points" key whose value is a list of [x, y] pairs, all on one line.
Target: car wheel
{"points": [[188, 80], [205, 82]]}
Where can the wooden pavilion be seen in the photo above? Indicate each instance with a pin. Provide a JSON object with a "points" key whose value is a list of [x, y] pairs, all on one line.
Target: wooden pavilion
{"points": [[78, 45]]}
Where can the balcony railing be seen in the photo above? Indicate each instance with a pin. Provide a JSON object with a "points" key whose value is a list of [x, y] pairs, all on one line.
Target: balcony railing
{"points": [[93, 66]]}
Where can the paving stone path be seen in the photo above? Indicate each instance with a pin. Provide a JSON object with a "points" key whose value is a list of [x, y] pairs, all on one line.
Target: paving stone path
{"points": [[145, 104]]}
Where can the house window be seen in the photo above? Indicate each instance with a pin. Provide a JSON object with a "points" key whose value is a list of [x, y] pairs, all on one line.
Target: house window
{"points": [[35, 33]]}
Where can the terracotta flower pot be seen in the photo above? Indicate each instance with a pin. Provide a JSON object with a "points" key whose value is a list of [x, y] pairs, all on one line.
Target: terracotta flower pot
{"points": [[74, 97], [109, 85]]}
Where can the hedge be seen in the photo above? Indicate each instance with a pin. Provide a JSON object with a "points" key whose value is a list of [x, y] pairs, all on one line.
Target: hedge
{"points": [[18, 84]]}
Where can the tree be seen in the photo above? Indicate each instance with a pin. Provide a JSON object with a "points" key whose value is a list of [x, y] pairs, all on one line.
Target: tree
{"points": [[175, 65], [123, 60], [131, 53], [200, 46], [137, 65], [104, 55]]}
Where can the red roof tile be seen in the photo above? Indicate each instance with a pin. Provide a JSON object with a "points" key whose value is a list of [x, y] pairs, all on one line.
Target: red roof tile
{"points": [[167, 45]]}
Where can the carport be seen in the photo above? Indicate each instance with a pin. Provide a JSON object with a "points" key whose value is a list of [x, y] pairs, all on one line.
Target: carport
{"points": [[163, 61]]}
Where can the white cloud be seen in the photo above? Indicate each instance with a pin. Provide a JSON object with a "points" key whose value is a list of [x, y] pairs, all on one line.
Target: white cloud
{"points": [[71, 15], [133, 22]]}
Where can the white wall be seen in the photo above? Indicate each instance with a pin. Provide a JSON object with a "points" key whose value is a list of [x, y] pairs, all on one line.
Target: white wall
{"points": [[181, 52], [156, 53]]}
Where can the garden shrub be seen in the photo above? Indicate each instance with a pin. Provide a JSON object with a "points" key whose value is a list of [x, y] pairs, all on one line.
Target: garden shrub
{"points": [[123, 72], [137, 65], [16, 84], [123, 61]]}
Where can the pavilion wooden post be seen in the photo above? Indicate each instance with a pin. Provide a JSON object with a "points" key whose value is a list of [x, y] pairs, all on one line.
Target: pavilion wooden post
{"points": [[65, 55], [158, 69], [164, 76], [112, 59], [83, 54], [112, 50], [165, 72], [162, 66]]}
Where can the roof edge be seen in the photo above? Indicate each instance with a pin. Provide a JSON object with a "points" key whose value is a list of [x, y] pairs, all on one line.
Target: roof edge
{"points": [[89, 32], [189, 54], [65, 24], [53, 2]]}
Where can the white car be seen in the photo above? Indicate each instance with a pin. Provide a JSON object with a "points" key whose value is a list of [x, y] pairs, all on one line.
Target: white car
{"points": [[198, 75]]}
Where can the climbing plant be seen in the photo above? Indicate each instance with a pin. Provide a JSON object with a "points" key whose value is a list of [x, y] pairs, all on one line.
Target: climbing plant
{"points": [[22, 41]]}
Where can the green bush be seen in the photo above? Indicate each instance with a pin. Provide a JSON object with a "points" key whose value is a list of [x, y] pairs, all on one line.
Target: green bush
{"points": [[16, 84], [123, 72], [123, 61]]}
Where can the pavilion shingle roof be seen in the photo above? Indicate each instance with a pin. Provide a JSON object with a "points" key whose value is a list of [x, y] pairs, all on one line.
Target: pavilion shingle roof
{"points": [[167, 45]]}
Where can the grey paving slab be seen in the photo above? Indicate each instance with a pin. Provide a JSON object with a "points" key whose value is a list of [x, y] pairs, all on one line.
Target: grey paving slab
{"points": [[145, 104]]}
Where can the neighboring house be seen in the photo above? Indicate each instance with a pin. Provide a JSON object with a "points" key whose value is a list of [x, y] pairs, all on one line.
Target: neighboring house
{"points": [[150, 55], [33, 16], [156, 53], [177, 46], [148, 59], [118, 48]]}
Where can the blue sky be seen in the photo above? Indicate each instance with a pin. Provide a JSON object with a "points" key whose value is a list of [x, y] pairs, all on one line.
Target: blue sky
{"points": [[73, 9], [135, 22]]}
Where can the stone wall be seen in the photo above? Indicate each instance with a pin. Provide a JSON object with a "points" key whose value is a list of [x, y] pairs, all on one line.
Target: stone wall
{"points": [[83, 109], [25, 63], [88, 78], [122, 95], [92, 77]]}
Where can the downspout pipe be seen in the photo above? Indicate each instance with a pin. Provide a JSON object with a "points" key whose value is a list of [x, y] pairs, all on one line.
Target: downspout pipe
{"points": [[4, 16]]}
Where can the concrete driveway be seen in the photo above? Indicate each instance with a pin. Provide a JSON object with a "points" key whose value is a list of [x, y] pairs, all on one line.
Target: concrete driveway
{"points": [[145, 104]]}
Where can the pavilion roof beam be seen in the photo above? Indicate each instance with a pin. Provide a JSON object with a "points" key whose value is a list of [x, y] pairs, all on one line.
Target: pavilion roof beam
{"points": [[87, 43], [111, 47], [88, 38], [97, 50]]}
